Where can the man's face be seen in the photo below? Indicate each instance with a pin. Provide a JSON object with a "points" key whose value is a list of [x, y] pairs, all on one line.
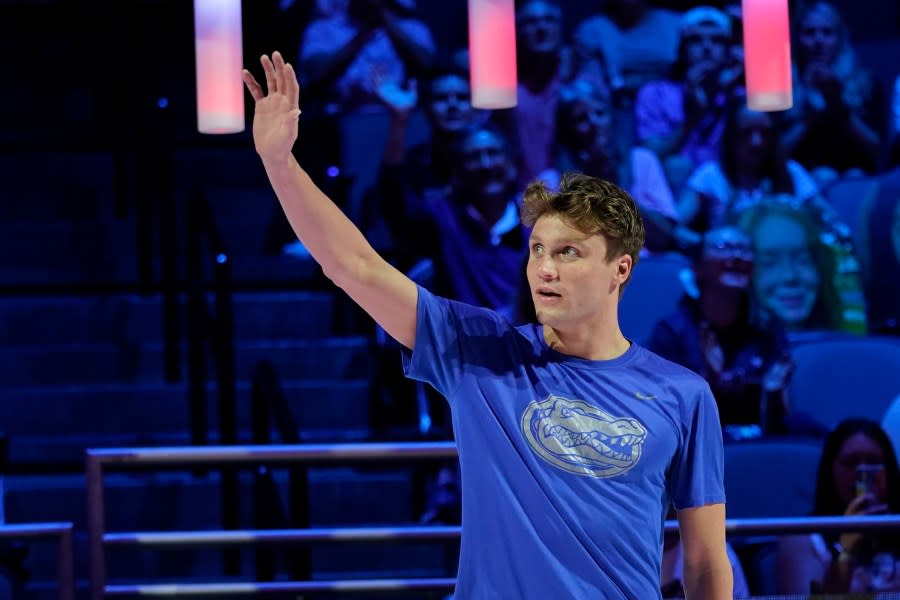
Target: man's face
{"points": [[485, 165], [705, 42], [539, 27], [451, 104], [786, 280], [572, 283], [819, 37]]}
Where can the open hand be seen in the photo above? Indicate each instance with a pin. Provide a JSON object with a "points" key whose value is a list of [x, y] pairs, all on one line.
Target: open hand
{"points": [[277, 109]]}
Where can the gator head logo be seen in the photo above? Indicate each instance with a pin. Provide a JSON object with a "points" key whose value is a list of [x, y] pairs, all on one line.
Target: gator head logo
{"points": [[582, 439]]}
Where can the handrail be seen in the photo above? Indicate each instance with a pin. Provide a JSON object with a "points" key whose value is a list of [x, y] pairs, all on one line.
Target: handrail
{"points": [[215, 332], [254, 588], [65, 563], [249, 454], [181, 457], [267, 405], [734, 527]]}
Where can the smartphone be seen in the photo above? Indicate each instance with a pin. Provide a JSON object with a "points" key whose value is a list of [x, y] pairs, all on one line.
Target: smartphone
{"points": [[869, 480]]}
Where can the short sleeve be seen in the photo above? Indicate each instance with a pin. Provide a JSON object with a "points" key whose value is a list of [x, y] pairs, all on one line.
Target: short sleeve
{"points": [[651, 188], [452, 340], [697, 473], [805, 186]]}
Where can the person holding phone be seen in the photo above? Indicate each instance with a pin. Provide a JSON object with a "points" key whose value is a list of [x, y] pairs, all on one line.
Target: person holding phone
{"points": [[857, 475]]}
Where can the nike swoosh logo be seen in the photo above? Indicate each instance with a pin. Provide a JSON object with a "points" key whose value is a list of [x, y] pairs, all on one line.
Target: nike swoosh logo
{"points": [[641, 396]]}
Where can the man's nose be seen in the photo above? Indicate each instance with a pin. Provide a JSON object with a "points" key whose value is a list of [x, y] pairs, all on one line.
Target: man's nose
{"points": [[546, 269]]}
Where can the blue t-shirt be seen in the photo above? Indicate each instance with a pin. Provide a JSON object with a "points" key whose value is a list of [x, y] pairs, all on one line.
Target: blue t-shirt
{"points": [[568, 465]]}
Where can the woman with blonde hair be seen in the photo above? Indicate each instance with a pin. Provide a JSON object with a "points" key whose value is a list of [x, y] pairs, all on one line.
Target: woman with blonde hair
{"points": [[837, 123]]}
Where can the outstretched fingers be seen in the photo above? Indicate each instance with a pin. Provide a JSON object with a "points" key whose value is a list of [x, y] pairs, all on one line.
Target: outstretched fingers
{"points": [[278, 63], [280, 78], [269, 68], [291, 85], [252, 85]]}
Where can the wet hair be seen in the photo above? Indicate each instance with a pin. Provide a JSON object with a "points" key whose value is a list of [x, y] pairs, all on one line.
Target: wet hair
{"points": [[591, 205], [827, 501]]}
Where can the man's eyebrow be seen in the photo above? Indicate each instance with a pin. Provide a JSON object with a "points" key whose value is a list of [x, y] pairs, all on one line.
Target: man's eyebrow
{"points": [[535, 239]]}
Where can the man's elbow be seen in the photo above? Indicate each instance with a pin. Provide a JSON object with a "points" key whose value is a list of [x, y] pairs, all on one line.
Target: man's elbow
{"points": [[349, 271], [709, 577]]}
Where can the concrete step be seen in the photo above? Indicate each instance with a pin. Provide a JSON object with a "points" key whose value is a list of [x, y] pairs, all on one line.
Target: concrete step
{"points": [[91, 363], [131, 317], [58, 423], [39, 186], [339, 496]]}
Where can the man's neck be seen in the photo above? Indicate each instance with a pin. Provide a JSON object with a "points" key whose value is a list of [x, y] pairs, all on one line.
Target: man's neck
{"points": [[591, 343]]}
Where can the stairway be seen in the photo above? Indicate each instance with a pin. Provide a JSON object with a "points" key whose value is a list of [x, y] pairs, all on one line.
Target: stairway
{"points": [[82, 365]]}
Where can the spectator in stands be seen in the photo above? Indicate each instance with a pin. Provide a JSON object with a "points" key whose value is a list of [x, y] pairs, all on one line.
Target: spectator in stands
{"points": [[805, 275], [879, 255], [749, 169], [629, 44], [353, 43], [478, 217], [681, 117], [743, 355], [446, 100], [588, 142], [895, 124], [346, 51], [544, 65], [841, 562], [837, 123]]}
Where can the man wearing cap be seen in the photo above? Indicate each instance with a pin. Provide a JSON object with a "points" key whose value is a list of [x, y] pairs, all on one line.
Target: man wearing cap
{"points": [[681, 118]]}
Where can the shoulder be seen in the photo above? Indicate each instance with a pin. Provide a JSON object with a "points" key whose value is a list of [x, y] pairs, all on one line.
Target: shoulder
{"points": [[671, 371], [642, 157], [416, 27], [592, 26], [804, 184], [660, 88], [707, 177], [669, 19]]}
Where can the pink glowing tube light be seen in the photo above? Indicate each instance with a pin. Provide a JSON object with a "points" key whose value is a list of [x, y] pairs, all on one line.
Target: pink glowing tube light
{"points": [[492, 53], [219, 59], [767, 54]]}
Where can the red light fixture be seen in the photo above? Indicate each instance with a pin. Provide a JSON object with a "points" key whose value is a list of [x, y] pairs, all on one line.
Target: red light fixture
{"points": [[219, 59], [492, 53], [767, 54]]}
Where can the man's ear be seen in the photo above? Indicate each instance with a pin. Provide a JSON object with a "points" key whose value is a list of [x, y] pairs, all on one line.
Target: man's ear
{"points": [[623, 267]]}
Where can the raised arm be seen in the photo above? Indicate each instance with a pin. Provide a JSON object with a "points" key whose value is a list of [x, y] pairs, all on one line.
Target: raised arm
{"points": [[345, 256]]}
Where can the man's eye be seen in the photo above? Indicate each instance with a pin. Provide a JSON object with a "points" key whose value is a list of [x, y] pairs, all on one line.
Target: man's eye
{"points": [[570, 251]]}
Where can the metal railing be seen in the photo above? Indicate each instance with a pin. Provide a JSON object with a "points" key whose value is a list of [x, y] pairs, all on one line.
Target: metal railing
{"points": [[268, 407], [62, 532], [181, 457]]}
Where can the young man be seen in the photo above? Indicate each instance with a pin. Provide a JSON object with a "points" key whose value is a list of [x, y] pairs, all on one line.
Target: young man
{"points": [[572, 440]]}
